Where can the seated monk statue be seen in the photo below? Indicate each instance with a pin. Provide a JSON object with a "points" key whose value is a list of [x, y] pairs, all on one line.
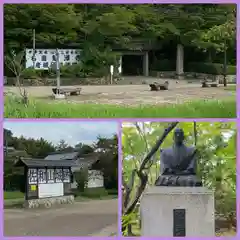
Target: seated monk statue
{"points": [[178, 164]]}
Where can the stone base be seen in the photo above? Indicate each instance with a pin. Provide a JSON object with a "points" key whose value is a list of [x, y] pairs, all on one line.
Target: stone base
{"points": [[59, 96], [159, 203], [48, 202]]}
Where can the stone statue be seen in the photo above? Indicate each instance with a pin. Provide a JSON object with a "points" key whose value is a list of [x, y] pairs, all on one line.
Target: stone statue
{"points": [[178, 164]]}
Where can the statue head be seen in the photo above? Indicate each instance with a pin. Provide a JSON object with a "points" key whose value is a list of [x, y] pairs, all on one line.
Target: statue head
{"points": [[178, 136]]}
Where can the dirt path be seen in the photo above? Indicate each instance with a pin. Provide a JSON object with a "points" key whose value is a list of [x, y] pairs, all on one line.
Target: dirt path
{"points": [[93, 218], [134, 94]]}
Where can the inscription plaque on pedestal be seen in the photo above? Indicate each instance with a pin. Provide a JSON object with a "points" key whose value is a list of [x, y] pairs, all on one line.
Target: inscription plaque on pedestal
{"points": [[179, 222]]}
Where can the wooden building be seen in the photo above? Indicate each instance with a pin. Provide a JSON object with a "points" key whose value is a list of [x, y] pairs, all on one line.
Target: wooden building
{"points": [[46, 178]]}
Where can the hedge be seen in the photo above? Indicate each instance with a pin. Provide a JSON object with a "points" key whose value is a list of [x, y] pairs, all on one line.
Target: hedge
{"points": [[209, 68], [163, 65], [197, 67]]}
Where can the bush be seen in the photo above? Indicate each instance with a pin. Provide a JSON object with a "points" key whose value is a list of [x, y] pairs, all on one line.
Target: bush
{"points": [[209, 68], [95, 192], [81, 178], [31, 73], [163, 65], [72, 71], [112, 191], [80, 71], [13, 195]]}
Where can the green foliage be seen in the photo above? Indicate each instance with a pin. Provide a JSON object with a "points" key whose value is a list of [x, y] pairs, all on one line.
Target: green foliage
{"points": [[70, 71], [130, 219], [30, 73], [223, 32], [14, 63], [196, 109], [210, 68], [81, 178], [216, 143], [53, 24], [13, 195], [98, 29], [108, 147], [112, 192], [13, 177], [94, 192], [163, 65]]}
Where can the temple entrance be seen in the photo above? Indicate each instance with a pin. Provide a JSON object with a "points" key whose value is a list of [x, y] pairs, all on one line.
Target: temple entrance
{"points": [[132, 65]]}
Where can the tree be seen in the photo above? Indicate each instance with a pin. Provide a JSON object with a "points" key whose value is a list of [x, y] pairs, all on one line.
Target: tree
{"points": [[7, 135], [36, 148], [62, 145], [83, 148], [24, 147], [108, 149], [54, 23], [98, 29], [14, 62]]}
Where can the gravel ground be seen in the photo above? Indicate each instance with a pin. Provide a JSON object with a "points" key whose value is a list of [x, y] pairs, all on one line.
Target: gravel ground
{"points": [[133, 95], [93, 218]]}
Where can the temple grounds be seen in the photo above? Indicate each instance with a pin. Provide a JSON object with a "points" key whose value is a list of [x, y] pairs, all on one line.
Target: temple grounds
{"points": [[181, 100]]}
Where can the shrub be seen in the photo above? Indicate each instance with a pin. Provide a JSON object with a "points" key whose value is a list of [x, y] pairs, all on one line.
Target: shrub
{"points": [[209, 68], [163, 65], [95, 192], [81, 178], [72, 71], [112, 191], [30, 73]]}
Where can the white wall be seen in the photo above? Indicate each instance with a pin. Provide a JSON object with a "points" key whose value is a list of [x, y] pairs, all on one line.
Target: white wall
{"points": [[48, 53], [95, 179], [50, 190]]}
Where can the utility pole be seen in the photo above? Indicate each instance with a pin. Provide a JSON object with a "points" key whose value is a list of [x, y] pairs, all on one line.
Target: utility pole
{"points": [[225, 59], [58, 70], [34, 49], [225, 64]]}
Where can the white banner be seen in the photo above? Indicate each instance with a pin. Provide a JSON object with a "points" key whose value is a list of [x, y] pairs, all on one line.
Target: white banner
{"points": [[50, 190]]}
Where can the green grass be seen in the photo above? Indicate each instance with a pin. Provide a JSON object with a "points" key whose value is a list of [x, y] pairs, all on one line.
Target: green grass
{"points": [[13, 195], [230, 88], [13, 199], [197, 109], [96, 193]]}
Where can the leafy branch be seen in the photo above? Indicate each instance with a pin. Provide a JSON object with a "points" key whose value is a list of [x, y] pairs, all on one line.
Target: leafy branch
{"points": [[141, 174]]}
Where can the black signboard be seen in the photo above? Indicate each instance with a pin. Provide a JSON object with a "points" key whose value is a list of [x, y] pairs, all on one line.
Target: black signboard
{"points": [[179, 222]]}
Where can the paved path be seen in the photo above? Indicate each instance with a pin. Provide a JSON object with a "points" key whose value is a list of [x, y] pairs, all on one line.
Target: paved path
{"points": [[133, 95], [93, 218]]}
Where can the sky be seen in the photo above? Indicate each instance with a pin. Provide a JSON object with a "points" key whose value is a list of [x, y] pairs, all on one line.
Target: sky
{"points": [[72, 132]]}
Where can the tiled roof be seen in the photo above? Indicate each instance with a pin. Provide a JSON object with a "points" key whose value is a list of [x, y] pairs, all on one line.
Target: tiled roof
{"points": [[62, 156], [30, 162]]}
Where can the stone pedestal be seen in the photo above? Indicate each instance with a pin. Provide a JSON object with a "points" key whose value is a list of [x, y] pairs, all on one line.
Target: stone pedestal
{"points": [[59, 96], [177, 211]]}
